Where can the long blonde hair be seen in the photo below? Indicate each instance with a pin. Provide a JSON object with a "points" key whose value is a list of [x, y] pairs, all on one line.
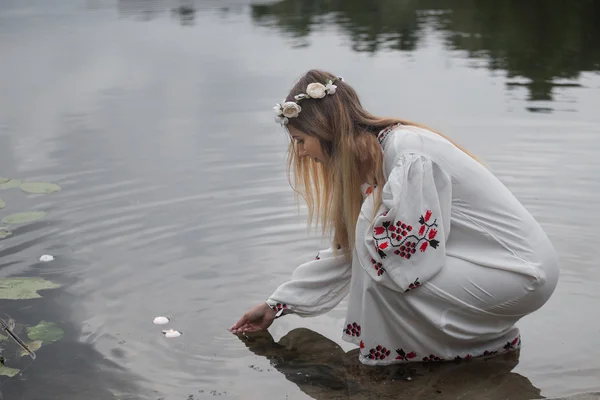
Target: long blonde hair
{"points": [[348, 134]]}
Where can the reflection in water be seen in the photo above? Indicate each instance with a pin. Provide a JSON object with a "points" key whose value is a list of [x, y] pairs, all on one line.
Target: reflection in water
{"points": [[539, 40], [186, 14], [182, 10], [147, 10], [54, 374], [322, 370], [175, 200]]}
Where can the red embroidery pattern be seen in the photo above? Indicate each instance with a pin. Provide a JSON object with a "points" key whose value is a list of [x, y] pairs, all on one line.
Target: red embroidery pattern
{"points": [[378, 353], [378, 267], [352, 329], [381, 353], [514, 344], [459, 358], [404, 356], [384, 133], [431, 357], [278, 307], [413, 285], [398, 235]]}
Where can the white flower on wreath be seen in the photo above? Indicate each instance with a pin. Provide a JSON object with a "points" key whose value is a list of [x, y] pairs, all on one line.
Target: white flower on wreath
{"points": [[301, 96], [330, 87], [277, 109], [316, 90], [281, 120], [290, 109]]}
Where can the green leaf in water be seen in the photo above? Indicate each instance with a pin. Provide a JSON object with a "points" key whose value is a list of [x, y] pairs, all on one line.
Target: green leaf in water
{"points": [[4, 233], [47, 332], [6, 371], [2, 203], [24, 217], [24, 288], [39, 187], [11, 183], [33, 346], [3, 179]]}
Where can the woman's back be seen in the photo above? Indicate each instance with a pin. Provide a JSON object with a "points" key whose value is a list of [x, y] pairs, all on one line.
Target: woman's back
{"points": [[489, 226]]}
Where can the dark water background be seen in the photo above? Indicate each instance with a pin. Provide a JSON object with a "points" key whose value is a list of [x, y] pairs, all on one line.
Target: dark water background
{"points": [[155, 118]]}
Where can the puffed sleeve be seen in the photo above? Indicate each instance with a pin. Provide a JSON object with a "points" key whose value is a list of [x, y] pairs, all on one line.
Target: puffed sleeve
{"points": [[407, 244], [316, 286]]}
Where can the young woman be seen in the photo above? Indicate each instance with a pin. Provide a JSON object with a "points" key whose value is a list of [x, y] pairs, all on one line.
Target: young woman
{"points": [[439, 258]]}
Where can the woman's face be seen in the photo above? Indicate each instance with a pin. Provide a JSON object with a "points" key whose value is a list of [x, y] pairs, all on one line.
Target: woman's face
{"points": [[308, 146]]}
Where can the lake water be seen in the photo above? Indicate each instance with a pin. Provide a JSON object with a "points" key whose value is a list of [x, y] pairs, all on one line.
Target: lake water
{"points": [[157, 124]]}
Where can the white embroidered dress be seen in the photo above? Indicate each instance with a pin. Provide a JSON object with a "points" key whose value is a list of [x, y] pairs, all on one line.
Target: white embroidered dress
{"points": [[450, 263]]}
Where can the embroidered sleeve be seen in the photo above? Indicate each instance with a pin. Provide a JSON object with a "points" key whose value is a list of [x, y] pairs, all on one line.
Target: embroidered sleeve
{"points": [[408, 241], [316, 286]]}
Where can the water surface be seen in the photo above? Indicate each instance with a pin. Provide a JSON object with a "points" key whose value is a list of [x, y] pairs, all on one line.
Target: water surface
{"points": [[155, 119]]}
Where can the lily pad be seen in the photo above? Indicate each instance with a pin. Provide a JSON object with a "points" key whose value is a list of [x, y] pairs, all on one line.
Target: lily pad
{"points": [[24, 217], [6, 371], [33, 346], [11, 183], [4, 233], [2, 203], [3, 179], [47, 332], [39, 187], [24, 288]]}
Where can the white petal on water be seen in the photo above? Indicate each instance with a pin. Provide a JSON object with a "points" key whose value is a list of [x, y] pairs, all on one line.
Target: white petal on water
{"points": [[172, 333], [46, 258], [161, 320]]}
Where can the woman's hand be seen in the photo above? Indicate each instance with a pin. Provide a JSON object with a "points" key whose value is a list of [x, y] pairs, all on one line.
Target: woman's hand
{"points": [[259, 318]]}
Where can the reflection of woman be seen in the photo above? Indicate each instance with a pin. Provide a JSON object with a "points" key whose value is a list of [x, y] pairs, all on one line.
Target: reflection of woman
{"points": [[440, 259], [322, 370]]}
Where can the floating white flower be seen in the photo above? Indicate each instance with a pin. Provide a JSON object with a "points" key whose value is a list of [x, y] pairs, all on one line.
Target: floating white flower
{"points": [[161, 320], [330, 87], [316, 90], [291, 109], [172, 333], [46, 258]]}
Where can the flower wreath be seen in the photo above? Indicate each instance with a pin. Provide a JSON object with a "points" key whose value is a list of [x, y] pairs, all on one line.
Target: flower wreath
{"points": [[291, 109]]}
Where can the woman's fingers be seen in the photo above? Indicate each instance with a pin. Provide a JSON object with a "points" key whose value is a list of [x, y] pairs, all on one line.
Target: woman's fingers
{"points": [[251, 328], [243, 321], [253, 320], [247, 327]]}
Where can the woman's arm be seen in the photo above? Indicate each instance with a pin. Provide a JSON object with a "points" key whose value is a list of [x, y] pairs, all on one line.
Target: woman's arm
{"points": [[315, 288]]}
